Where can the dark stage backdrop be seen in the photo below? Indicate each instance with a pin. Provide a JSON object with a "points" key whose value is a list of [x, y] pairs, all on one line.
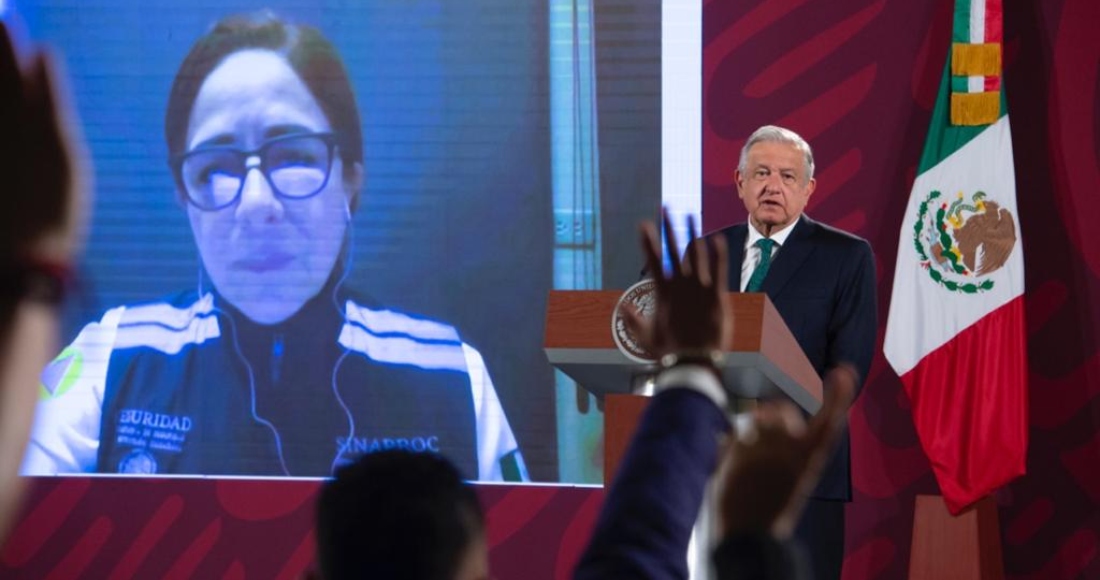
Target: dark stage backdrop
{"points": [[178, 528], [857, 79]]}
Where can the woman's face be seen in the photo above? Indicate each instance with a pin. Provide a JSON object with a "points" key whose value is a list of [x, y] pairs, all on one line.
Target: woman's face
{"points": [[265, 253]]}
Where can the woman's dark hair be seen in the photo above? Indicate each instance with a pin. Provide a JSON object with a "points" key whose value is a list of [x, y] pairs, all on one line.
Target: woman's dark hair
{"points": [[309, 54]]}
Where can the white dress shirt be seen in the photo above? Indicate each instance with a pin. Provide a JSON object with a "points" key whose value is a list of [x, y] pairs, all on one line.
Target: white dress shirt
{"points": [[752, 253]]}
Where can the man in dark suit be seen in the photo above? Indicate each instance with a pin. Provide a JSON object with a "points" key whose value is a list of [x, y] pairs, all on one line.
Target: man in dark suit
{"points": [[648, 514], [822, 282]]}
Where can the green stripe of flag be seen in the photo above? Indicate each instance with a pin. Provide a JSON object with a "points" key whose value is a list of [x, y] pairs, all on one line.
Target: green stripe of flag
{"points": [[960, 31]]}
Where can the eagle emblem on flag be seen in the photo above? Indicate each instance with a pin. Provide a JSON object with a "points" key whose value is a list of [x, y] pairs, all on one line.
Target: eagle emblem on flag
{"points": [[962, 242]]}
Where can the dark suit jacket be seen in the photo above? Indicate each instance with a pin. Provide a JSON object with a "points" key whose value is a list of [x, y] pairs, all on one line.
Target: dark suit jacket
{"points": [[822, 282], [648, 514]]}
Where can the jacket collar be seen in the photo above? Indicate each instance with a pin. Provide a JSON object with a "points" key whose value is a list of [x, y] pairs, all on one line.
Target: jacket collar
{"points": [[787, 261]]}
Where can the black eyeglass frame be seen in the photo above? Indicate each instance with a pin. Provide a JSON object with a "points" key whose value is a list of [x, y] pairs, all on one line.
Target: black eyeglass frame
{"points": [[330, 139]]}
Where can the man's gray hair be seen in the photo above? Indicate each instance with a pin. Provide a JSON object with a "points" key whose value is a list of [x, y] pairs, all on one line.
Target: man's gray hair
{"points": [[774, 134]]}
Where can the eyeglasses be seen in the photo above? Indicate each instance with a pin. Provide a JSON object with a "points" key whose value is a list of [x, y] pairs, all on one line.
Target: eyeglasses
{"points": [[296, 166]]}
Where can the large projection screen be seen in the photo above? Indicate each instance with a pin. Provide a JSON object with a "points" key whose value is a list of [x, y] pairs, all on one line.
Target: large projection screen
{"points": [[333, 302]]}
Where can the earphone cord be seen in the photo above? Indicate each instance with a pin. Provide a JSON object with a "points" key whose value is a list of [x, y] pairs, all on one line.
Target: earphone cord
{"points": [[335, 369], [350, 239]]}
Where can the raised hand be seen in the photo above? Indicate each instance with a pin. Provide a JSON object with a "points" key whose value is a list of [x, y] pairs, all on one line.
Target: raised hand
{"points": [[772, 465], [44, 197], [691, 313], [45, 191]]}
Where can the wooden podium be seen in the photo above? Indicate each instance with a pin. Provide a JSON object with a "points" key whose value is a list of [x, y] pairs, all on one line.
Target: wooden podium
{"points": [[764, 360]]}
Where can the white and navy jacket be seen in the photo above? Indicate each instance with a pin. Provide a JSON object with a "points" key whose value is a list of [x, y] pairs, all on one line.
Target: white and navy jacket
{"points": [[191, 386]]}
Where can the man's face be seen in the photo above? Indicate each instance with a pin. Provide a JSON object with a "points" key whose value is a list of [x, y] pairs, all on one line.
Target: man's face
{"points": [[266, 254], [774, 187]]}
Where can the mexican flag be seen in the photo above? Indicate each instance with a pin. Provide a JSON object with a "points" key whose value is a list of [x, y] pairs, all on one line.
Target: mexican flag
{"points": [[955, 334]]}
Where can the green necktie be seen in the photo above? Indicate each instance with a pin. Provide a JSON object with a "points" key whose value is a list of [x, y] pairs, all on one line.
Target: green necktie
{"points": [[757, 278]]}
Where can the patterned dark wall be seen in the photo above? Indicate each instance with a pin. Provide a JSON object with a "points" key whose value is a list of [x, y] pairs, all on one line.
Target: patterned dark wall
{"points": [[857, 78], [177, 528]]}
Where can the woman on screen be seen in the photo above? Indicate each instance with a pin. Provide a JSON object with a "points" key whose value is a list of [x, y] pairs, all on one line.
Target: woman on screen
{"points": [[273, 365]]}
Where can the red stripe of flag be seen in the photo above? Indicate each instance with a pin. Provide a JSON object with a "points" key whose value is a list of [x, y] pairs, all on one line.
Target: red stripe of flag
{"points": [[994, 30], [969, 402], [994, 33]]}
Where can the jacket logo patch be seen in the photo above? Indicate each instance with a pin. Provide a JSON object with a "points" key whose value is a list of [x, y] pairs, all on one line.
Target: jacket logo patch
{"points": [[155, 431], [138, 461], [360, 445], [60, 375]]}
